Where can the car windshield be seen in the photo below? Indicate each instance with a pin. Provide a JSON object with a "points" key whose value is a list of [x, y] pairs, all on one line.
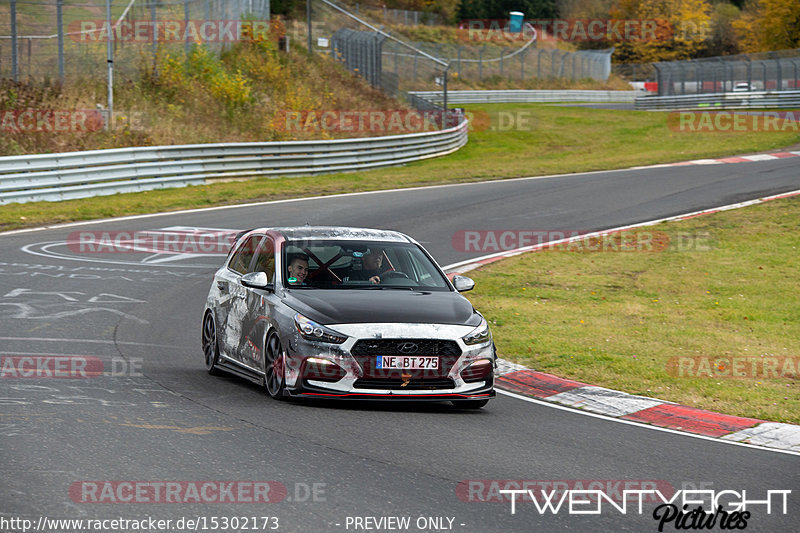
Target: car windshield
{"points": [[338, 264]]}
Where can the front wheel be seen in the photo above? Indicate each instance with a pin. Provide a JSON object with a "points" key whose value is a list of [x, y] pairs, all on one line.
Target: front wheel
{"points": [[210, 346], [274, 372]]}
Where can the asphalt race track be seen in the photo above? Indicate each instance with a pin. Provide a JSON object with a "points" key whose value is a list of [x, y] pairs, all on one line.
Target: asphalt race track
{"points": [[162, 419]]}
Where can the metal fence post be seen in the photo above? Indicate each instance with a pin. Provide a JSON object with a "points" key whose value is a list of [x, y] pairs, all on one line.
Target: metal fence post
{"points": [[110, 64], [186, 25], [14, 54], [60, 24], [700, 80], [308, 19], [155, 37], [480, 63], [574, 65], [683, 79], [749, 72], [539, 63]]}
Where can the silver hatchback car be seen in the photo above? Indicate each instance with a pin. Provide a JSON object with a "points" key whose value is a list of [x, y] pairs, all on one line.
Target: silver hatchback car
{"points": [[348, 313]]}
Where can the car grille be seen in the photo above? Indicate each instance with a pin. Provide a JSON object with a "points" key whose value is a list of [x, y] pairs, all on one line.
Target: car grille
{"points": [[397, 384], [365, 352]]}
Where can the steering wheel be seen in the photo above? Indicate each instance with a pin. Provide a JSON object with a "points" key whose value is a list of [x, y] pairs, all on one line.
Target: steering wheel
{"points": [[394, 274]]}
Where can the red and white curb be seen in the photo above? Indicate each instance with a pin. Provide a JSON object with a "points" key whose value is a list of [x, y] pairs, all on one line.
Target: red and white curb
{"points": [[722, 160], [652, 411]]}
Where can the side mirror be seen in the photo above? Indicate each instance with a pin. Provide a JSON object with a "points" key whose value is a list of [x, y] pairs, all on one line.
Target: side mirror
{"points": [[463, 283], [256, 280]]}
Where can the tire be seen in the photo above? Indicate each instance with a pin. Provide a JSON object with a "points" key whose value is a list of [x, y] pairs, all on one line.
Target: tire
{"points": [[471, 404], [210, 345], [274, 371]]}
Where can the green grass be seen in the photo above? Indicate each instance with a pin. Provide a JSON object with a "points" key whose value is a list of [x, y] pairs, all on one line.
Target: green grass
{"points": [[626, 320], [556, 140]]}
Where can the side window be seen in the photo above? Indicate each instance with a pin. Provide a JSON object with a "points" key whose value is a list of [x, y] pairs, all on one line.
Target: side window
{"points": [[265, 260], [421, 273], [240, 261]]}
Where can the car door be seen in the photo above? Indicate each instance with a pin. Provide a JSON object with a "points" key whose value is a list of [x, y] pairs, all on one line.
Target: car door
{"points": [[258, 307], [232, 299]]}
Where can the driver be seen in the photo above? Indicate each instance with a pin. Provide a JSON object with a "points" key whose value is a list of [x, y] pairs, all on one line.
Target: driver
{"points": [[371, 266]]}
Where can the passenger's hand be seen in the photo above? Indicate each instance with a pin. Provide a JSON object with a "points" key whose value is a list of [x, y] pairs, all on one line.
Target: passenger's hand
{"points": [[375, 279]]}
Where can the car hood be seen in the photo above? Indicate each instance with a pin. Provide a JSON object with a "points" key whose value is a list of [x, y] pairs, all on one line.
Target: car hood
{"points": [[364, 305]]}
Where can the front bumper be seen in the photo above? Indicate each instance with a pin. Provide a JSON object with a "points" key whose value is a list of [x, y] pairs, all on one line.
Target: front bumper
{"points": [[361, 382], [309, 390]]}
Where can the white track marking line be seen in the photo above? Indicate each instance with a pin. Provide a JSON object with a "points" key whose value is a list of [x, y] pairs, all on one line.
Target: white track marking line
{"points": [[640, 424], [344, 195]]}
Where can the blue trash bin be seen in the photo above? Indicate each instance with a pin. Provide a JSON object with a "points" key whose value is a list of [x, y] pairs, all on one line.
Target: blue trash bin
{"points": [[515, 21]]}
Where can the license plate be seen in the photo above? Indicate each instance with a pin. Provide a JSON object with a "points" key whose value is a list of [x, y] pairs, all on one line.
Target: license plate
{"points": [[404, 362]]}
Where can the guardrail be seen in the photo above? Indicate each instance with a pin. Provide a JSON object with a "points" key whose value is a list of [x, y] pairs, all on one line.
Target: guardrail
{"points": [[741, 100], [528, 96], [70, 175]]}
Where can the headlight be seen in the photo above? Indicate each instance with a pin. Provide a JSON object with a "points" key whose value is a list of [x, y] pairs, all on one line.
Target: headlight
{"points": [[479, 335], [312, 331]]}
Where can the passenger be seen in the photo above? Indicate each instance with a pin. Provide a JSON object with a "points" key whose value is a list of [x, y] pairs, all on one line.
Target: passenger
{"points": [[297, 268]]}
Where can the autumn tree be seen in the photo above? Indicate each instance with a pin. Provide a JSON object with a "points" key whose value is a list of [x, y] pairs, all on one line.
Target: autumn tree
{"points": [[769, 25], [680, 30]]}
